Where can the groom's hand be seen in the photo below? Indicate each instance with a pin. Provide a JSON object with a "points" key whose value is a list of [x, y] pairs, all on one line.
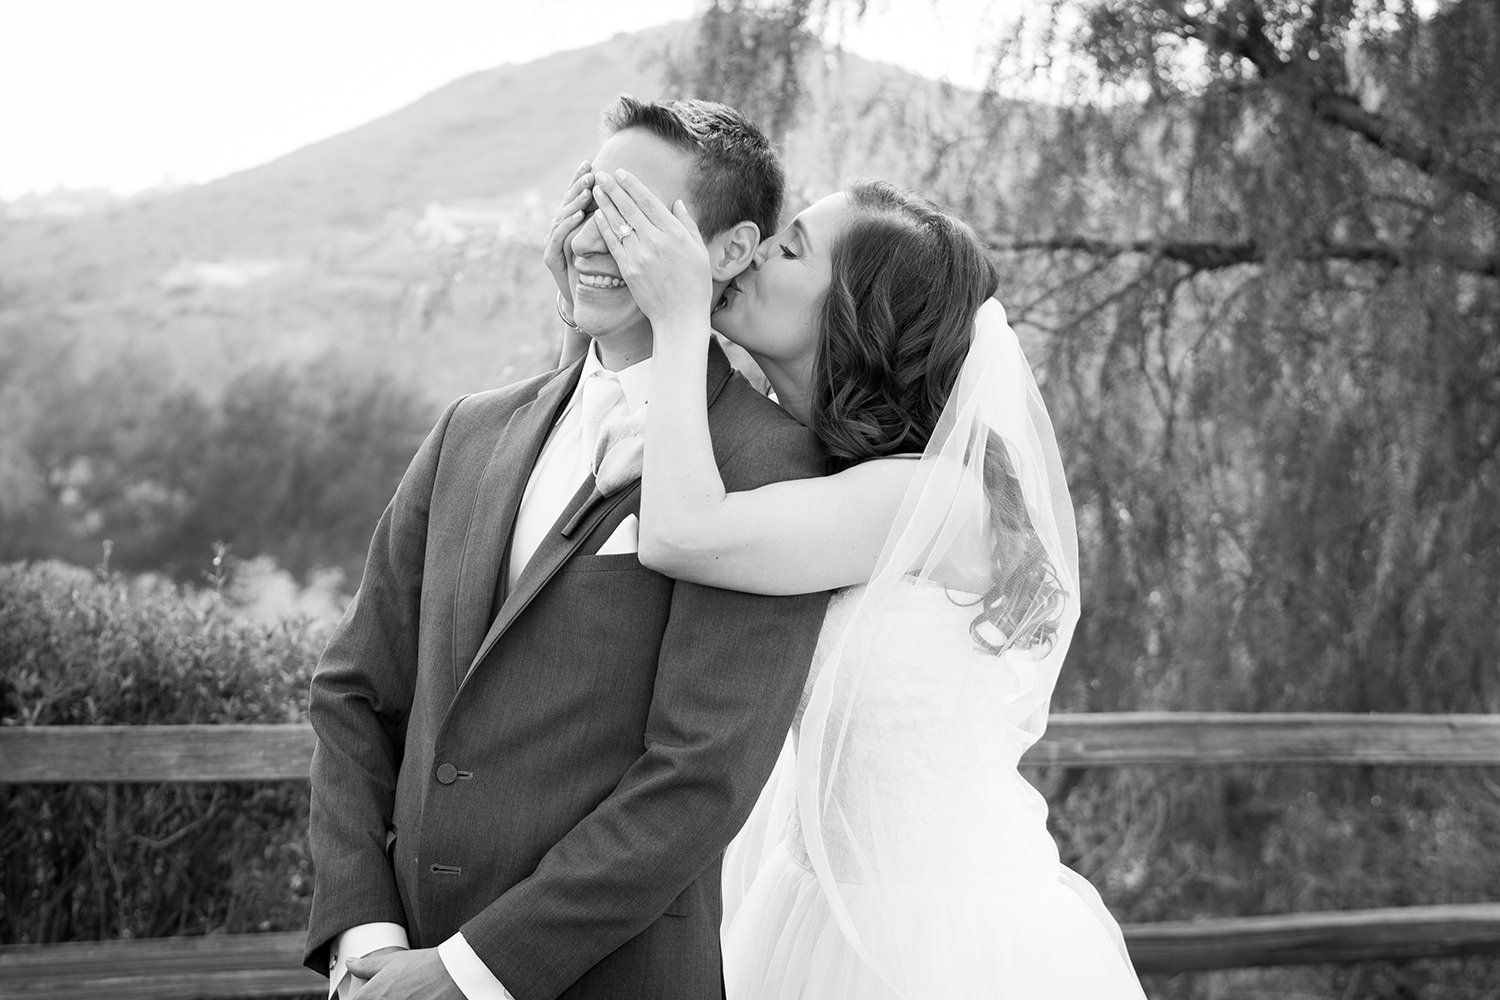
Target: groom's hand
{"points": [[399, 974]]}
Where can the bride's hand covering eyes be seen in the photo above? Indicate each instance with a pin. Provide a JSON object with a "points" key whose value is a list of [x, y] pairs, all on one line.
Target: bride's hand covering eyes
{"points": [[571, 213], [659, 251]]}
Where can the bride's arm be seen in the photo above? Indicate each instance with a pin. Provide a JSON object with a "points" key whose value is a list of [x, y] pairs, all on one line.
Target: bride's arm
{"points": [[785, 538], [574, 345]]}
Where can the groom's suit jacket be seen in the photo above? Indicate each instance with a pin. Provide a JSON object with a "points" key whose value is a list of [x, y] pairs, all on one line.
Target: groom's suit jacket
{"points": [[554, 769]]}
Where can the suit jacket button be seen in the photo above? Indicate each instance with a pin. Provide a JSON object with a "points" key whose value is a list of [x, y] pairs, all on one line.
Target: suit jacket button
{"points": [[447, 774]]}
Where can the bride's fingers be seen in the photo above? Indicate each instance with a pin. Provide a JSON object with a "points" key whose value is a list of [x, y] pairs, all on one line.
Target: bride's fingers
{"points": [[569, 218], [562, 230], [607, 186], [580, 181], [576, 198], [577, 203], [625, 187], [611, 239], [563, 227], [610, 211], [580, 196], [682, 215]]}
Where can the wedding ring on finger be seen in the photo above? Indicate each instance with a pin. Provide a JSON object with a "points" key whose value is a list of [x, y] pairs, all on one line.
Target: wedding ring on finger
{"points": [[625, 230]]}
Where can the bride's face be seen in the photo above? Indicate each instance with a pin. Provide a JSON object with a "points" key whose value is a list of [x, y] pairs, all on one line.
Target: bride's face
{"points": [[771, 310]]}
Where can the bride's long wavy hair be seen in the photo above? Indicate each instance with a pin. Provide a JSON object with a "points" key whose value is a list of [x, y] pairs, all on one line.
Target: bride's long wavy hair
{"points": [[895, 328], [896, 323]]}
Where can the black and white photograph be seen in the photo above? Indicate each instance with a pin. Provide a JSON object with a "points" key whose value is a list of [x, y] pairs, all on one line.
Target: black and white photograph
{"points": [[750, 500]]}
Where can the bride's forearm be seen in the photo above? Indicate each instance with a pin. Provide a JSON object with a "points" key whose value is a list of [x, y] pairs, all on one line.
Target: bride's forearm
{"points": [[791, 537], [573, 345], [681, 489]]}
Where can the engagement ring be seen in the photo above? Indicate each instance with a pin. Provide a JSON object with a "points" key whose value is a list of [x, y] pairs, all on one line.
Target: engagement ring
{"points": [[624, 230]]}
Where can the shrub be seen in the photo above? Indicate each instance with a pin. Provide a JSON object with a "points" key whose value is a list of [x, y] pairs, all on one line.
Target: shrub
{"points": [[93, 862]]}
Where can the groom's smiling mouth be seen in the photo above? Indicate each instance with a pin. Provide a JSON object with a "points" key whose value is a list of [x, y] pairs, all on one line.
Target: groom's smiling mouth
{"points": [[588, 279]]}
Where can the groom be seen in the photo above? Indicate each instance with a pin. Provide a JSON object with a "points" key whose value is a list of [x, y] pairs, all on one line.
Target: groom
{"points": [[532, 751]]}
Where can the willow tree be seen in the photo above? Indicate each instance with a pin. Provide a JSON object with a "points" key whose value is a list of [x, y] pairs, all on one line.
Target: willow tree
{"points": [[1278, 335], [1253, 247], [1257, 241]]}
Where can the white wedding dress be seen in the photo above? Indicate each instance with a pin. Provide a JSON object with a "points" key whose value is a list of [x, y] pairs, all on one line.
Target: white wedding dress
{"points": [[897, 851], [967, 897]]}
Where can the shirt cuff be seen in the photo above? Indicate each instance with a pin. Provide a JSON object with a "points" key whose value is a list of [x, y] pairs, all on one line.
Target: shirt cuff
{"points": [[357, 941], [469, 972]]}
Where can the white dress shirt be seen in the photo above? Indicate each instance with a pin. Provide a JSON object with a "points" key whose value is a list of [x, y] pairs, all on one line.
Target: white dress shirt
{"points": [[565, 461], [567, 457]]}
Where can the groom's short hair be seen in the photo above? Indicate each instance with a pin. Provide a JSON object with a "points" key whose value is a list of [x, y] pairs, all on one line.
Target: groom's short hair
{"points": [[737, 175]]}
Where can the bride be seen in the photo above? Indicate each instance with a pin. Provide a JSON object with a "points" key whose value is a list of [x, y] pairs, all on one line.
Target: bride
{"points": [[897, 851]]}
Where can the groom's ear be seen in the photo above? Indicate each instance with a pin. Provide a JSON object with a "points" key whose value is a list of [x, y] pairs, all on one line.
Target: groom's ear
{"points": [[731, 251]]}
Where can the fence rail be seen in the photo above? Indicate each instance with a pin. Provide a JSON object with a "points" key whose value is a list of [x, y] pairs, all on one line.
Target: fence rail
{"points": [[146, 754], [267, 965]]}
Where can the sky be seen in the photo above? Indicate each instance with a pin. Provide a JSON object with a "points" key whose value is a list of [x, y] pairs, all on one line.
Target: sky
{"points": [[128, 95]]}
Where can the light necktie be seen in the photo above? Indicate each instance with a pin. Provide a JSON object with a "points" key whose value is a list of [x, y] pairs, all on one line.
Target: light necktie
{"points": [[560, 471], [601, 394]]}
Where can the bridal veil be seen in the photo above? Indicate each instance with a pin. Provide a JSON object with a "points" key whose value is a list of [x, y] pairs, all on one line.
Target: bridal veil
{"points": [[929, 848]]}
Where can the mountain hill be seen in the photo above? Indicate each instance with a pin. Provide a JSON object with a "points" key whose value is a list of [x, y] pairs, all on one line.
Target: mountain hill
{"points": [[409, 244]]}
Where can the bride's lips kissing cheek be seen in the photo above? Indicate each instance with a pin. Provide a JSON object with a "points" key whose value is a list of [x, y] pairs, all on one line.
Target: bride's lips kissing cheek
{"points": [[731, 292]]}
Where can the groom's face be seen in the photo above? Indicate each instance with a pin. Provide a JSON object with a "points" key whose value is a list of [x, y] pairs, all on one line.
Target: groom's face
{"points": [[602, 305]]}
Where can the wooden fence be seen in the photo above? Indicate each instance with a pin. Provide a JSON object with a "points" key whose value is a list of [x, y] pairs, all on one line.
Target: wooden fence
{"points": [[265, 965]]}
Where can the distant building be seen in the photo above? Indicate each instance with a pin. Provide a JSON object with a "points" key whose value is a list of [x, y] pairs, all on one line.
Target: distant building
{"points": [[482, 222], [192, 275]]}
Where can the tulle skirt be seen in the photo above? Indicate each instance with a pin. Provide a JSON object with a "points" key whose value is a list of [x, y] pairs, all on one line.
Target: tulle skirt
{"points": [[1051, 941]]}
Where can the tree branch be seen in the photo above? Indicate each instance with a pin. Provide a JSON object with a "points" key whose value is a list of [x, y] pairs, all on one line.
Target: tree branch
{"points": [[1250, 43], [1345, 111], [1209, 256], [1247, 40]]}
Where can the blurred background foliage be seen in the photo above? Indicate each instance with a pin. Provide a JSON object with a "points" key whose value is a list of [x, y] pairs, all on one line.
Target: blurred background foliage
{"points": [[284, 463], [1251, 247]]}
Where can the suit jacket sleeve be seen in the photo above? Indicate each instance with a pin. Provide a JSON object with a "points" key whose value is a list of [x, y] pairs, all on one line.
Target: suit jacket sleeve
{"points": [[729, 675], [361, 697]]}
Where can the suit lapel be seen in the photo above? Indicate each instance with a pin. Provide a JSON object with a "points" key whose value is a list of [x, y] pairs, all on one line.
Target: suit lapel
{"points": [[584, 512], [573, 526], [482, 569]]}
